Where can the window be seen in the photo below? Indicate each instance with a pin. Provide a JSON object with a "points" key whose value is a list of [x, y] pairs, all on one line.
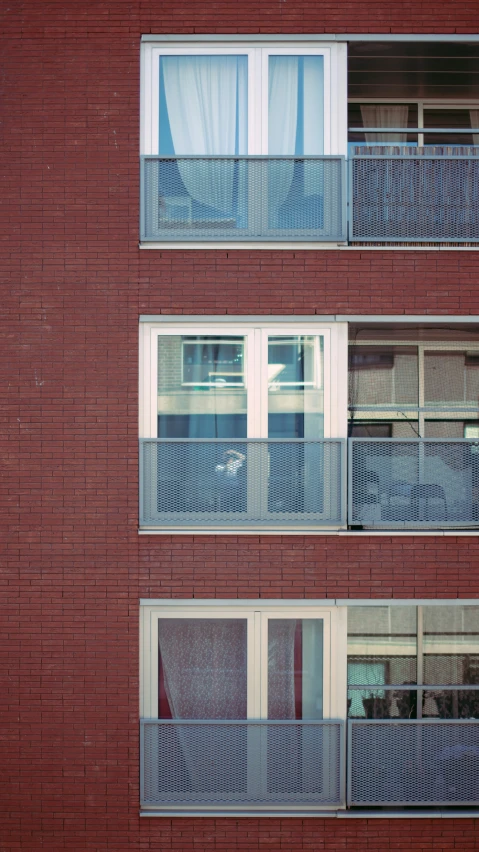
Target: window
{"points": [[242, 423], [243, 99], [244, 705]]}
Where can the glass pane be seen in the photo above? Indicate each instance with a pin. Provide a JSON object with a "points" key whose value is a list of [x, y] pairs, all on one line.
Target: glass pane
{"points": [[202, 668], [382, 703], [296, 387], [295, 668], [201, 387], [296, 105], [203, 105], [382, 647], [381, 115], [383, 429], [450, 704], [451, 377], [383, 376], [454, 120], [451, 645]]}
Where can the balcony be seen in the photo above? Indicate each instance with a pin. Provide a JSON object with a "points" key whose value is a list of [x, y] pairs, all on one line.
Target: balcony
{"points": [[413, 483], [242, 765], [243, 198], [415, 196], [187, 482], [421, 762]]}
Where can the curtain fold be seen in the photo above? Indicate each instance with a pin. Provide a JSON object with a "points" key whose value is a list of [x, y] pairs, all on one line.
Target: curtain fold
{"points": [[206, 98], [282, 128]]}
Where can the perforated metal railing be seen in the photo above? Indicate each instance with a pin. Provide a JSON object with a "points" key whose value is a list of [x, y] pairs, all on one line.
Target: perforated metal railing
{"points": [[241, 763], [242, 482], [413, 483], [402, 197], [243, 198], [413, 762]]}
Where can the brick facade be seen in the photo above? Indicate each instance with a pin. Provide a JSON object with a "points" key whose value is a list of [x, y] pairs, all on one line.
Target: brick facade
{"points": [[73, 565]]}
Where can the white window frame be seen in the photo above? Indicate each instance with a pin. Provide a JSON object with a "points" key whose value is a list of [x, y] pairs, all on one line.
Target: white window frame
{"points": [[257, 614], [422, 105], [255, 334], [335, 88]]}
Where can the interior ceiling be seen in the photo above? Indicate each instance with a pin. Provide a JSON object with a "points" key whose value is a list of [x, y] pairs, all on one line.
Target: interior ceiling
{"points": [[417, 70]]}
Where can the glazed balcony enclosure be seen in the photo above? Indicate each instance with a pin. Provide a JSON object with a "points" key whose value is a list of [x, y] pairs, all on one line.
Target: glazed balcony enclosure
{"points": [[304, 707], [246, 425], [369, 142]]}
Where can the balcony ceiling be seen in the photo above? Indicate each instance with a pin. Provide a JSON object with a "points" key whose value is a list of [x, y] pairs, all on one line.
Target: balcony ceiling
{"points": [[428, 70]]}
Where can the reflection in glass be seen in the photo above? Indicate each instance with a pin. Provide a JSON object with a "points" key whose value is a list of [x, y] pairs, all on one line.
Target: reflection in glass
{"points": [[295, 669], [296, 387], [382, 649], [201, 387], [451, 377]]}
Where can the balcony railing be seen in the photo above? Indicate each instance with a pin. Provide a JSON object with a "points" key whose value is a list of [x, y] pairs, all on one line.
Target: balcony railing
{"points": [[297, 766], [243, 198], [413, 483], [424, 762], [406, 197], [219, 483], [242, 764], [400, 194]]}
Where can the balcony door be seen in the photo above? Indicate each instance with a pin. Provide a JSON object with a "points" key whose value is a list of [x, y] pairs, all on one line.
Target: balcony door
{"points": [[215, 391], [242, 422]]}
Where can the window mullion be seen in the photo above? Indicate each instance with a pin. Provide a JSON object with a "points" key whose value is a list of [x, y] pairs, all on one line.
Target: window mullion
{"points": [[420, 659]]}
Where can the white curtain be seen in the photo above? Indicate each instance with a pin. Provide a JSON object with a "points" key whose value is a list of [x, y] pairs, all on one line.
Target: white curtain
{"points": [[206, 98], [282, 127], [474, 116], [385, 115]]}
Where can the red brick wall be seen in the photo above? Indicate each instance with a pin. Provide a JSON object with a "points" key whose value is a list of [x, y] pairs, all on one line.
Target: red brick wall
{"points": [[73, 566]]}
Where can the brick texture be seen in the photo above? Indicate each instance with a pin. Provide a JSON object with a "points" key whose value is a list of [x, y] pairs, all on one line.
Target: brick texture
{"points": [[73, 285]]}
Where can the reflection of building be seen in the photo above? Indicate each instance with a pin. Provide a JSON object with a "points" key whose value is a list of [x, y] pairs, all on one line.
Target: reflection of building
{"points": [[302, 284]]}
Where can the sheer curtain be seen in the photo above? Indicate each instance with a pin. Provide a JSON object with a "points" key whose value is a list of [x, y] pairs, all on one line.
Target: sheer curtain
{"points": [[295, 123], [385, 115], [282, 127], [206, 100], [204, 667]]}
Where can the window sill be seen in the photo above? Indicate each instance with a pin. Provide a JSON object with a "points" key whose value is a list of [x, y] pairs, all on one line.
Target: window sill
{"points": [[298, 246], [303, 531]]}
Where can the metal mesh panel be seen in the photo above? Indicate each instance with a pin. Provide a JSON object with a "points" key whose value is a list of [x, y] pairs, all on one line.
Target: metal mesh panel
{"points": [[413, 483], [243, 763], [406, 198], [191, 482], [243, 198], [413, 763]]}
